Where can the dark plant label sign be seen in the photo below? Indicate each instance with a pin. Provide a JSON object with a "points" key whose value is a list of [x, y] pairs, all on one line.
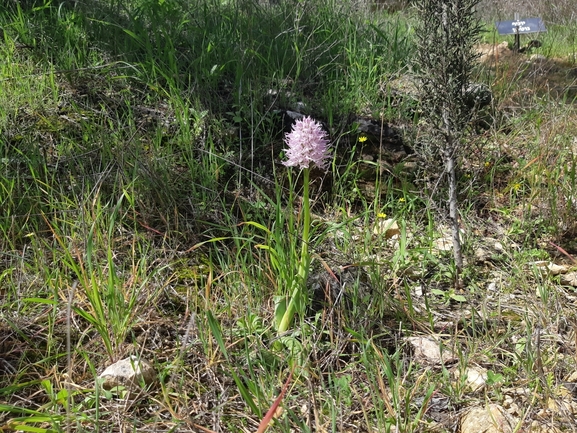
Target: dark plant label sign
{"points": [[524, 25]]}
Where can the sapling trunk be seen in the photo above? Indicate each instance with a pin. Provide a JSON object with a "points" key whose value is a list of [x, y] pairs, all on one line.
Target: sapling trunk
{"points": [[451, 148], [450, 165]]}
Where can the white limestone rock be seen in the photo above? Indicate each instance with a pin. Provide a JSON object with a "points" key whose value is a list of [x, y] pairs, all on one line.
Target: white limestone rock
{"points": [[130, 372]]}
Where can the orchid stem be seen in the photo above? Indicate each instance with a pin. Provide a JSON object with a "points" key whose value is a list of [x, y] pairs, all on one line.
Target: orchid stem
{"points": [[300, 282]]}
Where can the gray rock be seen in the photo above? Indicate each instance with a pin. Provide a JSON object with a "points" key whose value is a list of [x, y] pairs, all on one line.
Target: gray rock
{"points": [[479, 95], [375, 128], [130, 372], [537, 58]]}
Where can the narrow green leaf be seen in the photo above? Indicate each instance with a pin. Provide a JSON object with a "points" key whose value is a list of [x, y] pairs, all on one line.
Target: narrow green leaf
{"points": [[257, 225], [244, 392], [217, 334], [41, 301], [24, 427], [215, 329], [279, 309]]}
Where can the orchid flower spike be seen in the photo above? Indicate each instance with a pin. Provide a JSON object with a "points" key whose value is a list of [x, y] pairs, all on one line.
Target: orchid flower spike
{"points": [[307, 143]]}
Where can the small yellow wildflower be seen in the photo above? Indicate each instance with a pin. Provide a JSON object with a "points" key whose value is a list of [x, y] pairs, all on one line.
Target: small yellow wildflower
{"points": [[516, 187], [363, 138], [381, 215], [402, 200], [487, 164]]}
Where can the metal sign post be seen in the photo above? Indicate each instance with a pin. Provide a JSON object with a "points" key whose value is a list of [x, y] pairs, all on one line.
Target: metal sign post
{"points": [[517, 44]]}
